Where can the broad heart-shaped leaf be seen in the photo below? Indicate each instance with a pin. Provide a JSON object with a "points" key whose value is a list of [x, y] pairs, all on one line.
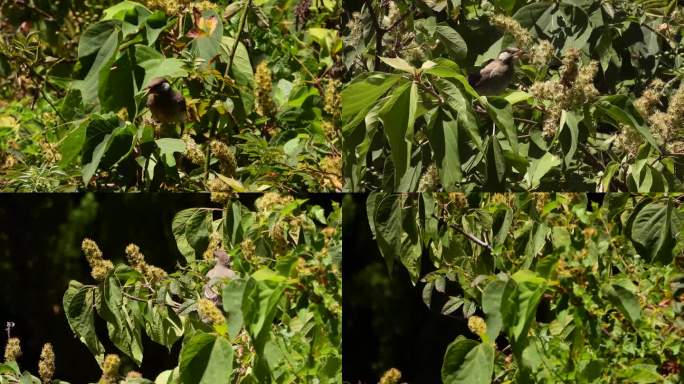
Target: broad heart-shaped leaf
{"points": [[538, 168], [131, 14], [360, 96], [100, 68], [454, 43], [125, 335], [521, 307], [162, 67], [162, 325], [191, 229], [95, 36], [492, 298], [399, 64], [206, 359], [385, 220], [398, 116], [232, 295], [458, 103], [167, 147], [624, 300], [468, 362], [569, 135], [207, 42], [652, 228], [241, 70], [496, 165], [502, 114], [259, 304], [443, 133], [79, 303]]}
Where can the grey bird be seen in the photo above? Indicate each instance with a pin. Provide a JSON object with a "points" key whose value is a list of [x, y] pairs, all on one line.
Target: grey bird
{"points": [[495, 77], [166, 105], [219, 273]]}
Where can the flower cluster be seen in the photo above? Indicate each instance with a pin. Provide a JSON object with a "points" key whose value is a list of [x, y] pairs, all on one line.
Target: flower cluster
{"points": [[137, 260], [477, 325], [248, 249], [271, 200], [193, 151], [331, 166], [12, 349], [262, 93], [221, 192], [430, 180], [110, 369], [225, 156], [574, 89], [541, 53], [333, 100], [209, 313], [391, 376], [100, 267], [46, 365], [214, 245], [522, 36]]}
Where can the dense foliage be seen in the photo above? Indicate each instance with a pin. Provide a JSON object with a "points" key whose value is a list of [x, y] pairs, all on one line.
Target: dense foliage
{"points": [[552, 288], [596, 104], [256, 300], [259, 78]]}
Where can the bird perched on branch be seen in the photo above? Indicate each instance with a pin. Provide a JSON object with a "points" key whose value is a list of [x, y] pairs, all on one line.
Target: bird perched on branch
{"points": [[220, 272], [495, 77], [166, 105]]}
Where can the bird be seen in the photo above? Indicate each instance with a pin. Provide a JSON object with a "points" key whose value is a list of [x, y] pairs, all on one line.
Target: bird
{"points": [[217, 274], [495, 77], [166, 104]]}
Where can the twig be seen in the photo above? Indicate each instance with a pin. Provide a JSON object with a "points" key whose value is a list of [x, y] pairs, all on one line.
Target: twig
{"points": [[472, 238]]}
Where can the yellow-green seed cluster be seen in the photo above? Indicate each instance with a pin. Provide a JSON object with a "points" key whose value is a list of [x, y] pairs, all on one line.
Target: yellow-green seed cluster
{"points": [[110, 369], [225, 156], [391, 376], [100, 267], [270, 200], [214, 245], [429, 181], [522, 36], [12, 349], [137, 260], [192, 151], [248, 249], [477, 325], [262, 93], [209, 313], [221, 192], [46, 365]]}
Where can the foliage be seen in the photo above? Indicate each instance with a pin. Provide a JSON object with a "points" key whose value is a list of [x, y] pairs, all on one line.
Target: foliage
{"points": [[554, 289], [595, 105], [259, 79], [275, 318]]}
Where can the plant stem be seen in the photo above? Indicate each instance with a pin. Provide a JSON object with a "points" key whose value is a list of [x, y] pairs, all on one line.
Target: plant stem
{"points": [[231, 57]]}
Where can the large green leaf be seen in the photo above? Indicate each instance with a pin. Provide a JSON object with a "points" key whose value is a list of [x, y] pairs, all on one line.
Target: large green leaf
{"points": [[125, 335], [232, 295], [79, 304], [652, 228], [259, 304], [206, 359], [360, 96], [443, 134], [454, 43], [468, 362], [398, 118], [103, 39], [626, 301], [385, 219], [191, 229], [539, 168]]}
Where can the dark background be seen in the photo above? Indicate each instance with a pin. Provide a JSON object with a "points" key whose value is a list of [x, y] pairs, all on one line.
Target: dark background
{"points": [[385, 322], [40, 238]]}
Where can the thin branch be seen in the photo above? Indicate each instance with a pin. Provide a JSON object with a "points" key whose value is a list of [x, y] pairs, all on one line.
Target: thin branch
{"points": [[470, 237]]}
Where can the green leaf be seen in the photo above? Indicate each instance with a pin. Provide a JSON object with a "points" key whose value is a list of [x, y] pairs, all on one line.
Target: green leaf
{"points": [[259, 304], [360, 96], [398, 117], [641, 374], [125, 335], [492, 298], [468, 362], [384, 217], [162, 67], [206, 359], [443, 134], [652, 228], [454, 43], [538, 168], [626, 301], [103, 39], [167, 148], [79, 303], [529, 288], [502, 114], [233, 292], [193, 222], [569, 135], [626, 117], [496, 165], [399, 64]]}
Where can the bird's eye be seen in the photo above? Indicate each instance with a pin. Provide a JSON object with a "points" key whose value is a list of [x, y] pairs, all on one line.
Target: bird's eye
{"points": [[165, 86]]}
